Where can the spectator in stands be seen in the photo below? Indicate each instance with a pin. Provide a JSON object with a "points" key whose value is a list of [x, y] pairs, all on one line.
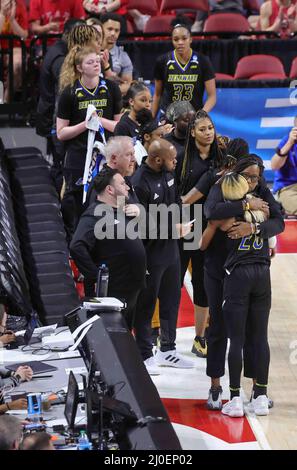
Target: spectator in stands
{"points": [[37, 441], [183, 74], [124, 256], [217, 6], [13, 20], [80, 85], [139, 100], [180, 114], [49, 16], [279, 16], [284, 162], [139, 19], [102, 7], [122, 68], [10, 433]]}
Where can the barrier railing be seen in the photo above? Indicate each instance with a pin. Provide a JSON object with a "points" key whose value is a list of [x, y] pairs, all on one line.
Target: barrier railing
{"points": [[33, 54], [7, 44]]}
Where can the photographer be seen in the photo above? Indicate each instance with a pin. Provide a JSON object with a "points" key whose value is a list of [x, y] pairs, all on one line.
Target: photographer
{"points": [[284, 162]]}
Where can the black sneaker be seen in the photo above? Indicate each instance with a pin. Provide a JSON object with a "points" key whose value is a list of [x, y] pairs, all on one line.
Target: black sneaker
{"points": [[214, 401], [199, 347]]}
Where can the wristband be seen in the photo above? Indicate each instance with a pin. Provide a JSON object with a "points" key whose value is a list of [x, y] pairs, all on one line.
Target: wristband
{"points": [[107, 68], [278, 152]]}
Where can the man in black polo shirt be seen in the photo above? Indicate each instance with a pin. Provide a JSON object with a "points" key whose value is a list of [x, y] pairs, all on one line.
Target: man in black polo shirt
{"points": [[92, 244]]}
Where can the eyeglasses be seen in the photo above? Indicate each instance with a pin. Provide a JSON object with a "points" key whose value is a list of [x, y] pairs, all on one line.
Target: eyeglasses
{"points": [[251, 178]]}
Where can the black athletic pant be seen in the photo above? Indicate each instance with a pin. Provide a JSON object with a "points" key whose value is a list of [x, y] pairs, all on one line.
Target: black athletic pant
{"points": [[217, 335], [163, 282], [72, 205], [57, 149], [247, 297], [197, 261]]}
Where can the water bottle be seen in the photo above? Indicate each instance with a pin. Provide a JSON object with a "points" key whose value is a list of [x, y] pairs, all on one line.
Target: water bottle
{"points": [[102, 281], [83, 442], [34, 406]]}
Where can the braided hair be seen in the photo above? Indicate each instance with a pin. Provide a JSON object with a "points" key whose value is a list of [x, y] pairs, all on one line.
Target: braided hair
{"points": [[215, 153], [81, 35], [249, 160]]}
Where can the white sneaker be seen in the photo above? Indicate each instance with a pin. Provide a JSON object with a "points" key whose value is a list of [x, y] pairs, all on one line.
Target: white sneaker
{"points": [[173, 359], [233, 408], [260, 405], [151, 366]]}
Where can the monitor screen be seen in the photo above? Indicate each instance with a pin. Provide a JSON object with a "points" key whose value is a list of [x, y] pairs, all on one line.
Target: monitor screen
{"points": [[32, 324], [71, 403]]}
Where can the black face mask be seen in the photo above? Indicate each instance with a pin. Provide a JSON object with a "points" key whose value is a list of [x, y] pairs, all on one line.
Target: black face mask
{"points": [[144, 116]]}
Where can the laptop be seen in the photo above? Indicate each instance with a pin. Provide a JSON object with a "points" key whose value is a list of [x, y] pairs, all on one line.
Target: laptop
{"points": [[71, 402], [38, 367], [27, 338]]}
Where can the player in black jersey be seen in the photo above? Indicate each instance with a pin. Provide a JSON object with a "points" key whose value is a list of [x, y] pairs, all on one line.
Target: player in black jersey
{"points": [[183, 75], [139, 99], [80, 86], [246, 291]]}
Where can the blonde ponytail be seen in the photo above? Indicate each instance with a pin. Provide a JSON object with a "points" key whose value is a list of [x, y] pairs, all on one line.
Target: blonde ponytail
{"points": [[69, 73]]}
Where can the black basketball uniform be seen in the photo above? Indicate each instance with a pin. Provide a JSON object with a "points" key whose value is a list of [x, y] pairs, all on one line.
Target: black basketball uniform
{"points": [[183, 82]]}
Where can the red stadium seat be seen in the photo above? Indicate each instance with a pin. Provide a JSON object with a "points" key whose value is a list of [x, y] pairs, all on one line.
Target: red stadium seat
{"points": [[293, 71], [168, 5], [224, 76], [267, 76], [251, 65], [147, 7], [158, 24], [225, 22]]}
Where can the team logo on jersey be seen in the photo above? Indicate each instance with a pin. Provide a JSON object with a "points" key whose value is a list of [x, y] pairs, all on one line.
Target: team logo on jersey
{"points": [[156, 196], [171, 67], [195, 58], [171, 182], [80, 94]]}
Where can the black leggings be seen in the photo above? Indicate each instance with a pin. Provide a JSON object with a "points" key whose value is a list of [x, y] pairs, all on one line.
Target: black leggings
{"points": [[197, 260], [247, 300], [217, 336]]}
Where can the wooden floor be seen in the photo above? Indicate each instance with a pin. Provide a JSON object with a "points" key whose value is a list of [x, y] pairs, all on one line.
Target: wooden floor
{"points": [[280, 427]]}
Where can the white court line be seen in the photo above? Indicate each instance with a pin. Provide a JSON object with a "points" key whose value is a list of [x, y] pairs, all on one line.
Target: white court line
{"points": [[279, 103], [277, 122], [254, 422]]}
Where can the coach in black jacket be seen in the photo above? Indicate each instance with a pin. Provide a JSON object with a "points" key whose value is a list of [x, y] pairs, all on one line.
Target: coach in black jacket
{"points": [[92, 245], [154, 185]]}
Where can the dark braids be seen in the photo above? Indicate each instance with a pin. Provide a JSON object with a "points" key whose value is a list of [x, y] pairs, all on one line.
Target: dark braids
{"points": [[215, 153], [249, 160]]}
